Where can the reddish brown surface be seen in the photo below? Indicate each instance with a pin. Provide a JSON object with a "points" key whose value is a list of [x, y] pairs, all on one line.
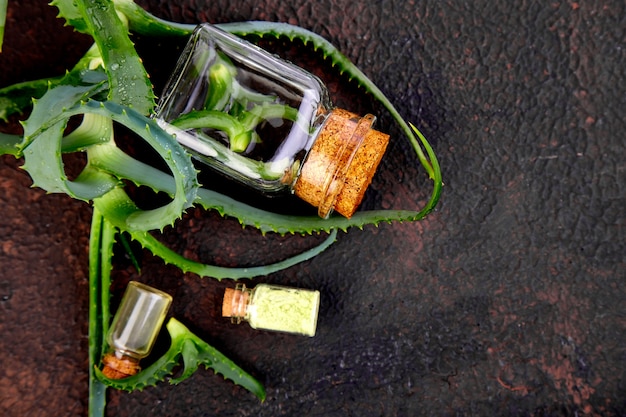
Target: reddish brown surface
{"points": [[508, 300]]}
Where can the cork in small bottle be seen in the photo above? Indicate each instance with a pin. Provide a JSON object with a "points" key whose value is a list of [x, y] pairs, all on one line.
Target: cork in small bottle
{"points": [[235, 304], [119, 367], [341, 163]]}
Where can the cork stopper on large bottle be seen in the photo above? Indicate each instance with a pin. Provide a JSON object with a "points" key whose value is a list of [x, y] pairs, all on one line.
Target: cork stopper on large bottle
{"points": [[341, 163]]}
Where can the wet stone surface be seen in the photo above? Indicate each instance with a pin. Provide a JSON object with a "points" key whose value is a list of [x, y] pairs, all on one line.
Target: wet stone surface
{"points": [[507, 301]]}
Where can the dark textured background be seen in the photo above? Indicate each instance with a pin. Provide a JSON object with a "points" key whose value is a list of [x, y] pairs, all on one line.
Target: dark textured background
{"points": [[506, 301]]}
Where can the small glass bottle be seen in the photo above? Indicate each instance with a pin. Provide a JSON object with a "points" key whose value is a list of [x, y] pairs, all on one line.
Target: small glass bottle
{"points": [[273, 307], [134, 329], [268, 123]]}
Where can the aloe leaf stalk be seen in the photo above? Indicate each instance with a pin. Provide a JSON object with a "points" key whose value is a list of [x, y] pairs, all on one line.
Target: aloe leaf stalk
{"points": [[99, 255], [3, 18]]}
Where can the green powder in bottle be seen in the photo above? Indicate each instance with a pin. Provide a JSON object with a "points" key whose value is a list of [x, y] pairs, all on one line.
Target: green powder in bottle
{"points": [[273, 307]]}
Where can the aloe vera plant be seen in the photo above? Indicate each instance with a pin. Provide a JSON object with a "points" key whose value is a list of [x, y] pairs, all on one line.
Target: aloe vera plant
{"points": [[109, 86]]}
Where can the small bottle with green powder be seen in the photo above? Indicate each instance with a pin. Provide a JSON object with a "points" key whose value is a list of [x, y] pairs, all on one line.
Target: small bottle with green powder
{"points": [[273, 307]]}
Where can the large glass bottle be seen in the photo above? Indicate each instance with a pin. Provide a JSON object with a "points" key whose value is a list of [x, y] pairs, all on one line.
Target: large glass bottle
{"points": [[268, 123]]}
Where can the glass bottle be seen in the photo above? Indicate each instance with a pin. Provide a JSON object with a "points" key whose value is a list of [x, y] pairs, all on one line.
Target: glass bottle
{"points": [[268, 123], [273, 307], [134, 329]]}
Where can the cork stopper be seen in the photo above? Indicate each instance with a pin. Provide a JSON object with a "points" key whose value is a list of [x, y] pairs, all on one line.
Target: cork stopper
{"points": [[116, 367], [235, 303], [341, 163]]}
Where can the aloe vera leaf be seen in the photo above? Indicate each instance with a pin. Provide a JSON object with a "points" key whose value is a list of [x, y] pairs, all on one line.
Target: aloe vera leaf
{"points": [[129, 82], [3, 18], [42, 158], [120, 207], [209, 119], [93, 130], [193, 351], [124, 166], [116, 206], [109, 233], [108, 157], [111, 159], [186, 265], [68, 10], [220, 82], [198, 352], [238, 137], [273, 222], [130, 252], [76, 86], [142, 22], [97, 390], [47, 122]]}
